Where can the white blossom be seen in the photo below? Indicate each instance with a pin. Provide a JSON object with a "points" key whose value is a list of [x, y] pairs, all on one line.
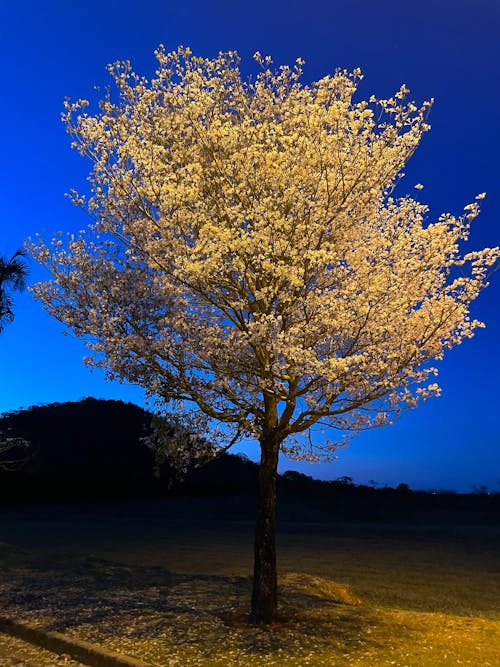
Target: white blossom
{"points": [[247, 262]]}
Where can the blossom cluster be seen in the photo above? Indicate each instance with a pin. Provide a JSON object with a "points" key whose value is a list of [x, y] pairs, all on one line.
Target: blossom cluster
{"points": [[247, 256]]}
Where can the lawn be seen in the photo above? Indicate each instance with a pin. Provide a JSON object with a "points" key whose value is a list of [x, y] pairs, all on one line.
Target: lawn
{"points": [[166, 581]]}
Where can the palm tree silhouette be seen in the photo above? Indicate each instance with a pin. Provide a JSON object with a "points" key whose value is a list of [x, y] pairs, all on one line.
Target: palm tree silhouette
{"points": [[13, 274]]}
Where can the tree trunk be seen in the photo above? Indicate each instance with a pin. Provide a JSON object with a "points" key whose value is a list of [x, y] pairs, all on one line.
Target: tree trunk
{"points": [[265, 580]]}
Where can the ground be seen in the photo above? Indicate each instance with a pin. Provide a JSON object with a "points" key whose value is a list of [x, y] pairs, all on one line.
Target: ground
{"points": [[168, 582]]}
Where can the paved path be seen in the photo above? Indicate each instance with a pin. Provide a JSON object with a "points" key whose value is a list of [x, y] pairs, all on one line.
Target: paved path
{"points": [[16, 653]]}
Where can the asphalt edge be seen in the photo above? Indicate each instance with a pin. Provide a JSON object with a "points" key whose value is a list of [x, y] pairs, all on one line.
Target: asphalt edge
{"points": [[85, 652]]}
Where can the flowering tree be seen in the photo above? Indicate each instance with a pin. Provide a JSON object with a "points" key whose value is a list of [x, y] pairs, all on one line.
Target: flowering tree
{"points": [[248, 265]]}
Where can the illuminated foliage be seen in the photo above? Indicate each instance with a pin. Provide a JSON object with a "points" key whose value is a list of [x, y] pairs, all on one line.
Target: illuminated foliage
{"points": [[248, 263]]}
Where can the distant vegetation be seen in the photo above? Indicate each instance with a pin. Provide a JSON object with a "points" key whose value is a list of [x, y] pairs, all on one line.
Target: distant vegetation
{"points": [[93, 449]]}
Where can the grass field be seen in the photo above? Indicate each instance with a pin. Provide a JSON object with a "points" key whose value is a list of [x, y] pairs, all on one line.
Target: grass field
{"points": [[166, 581]]}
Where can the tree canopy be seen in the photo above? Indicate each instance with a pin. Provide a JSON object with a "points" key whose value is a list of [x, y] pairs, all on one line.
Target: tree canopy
{"points": [[247, 248]]}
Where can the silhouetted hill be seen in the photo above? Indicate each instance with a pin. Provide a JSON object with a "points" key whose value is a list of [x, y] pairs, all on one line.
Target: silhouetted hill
{"points": [[91, 447], [94, 449]]}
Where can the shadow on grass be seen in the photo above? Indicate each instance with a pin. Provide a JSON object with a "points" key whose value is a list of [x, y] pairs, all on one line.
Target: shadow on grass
{"points": [[105, 599]]}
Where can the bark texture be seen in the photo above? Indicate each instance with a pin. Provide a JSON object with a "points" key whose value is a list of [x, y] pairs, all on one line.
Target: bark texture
{"points": [[265, 580]]}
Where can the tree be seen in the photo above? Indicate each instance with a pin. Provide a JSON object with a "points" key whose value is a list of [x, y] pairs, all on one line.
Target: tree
{"points": [[249, 265], [13, 274]]}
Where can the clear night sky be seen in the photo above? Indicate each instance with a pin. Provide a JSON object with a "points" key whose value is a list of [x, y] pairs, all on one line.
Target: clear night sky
{"points": [[446, 49]]}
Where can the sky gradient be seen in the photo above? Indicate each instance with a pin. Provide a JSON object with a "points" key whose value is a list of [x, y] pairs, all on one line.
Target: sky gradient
{"points": [[446, 49]]}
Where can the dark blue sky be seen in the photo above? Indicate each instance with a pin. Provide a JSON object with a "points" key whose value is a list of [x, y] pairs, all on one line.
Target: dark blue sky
{"points": [[446, 49]]}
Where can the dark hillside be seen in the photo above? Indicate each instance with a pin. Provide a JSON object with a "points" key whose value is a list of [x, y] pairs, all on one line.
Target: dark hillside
{"points": [[87, 448], [93, 449]]}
